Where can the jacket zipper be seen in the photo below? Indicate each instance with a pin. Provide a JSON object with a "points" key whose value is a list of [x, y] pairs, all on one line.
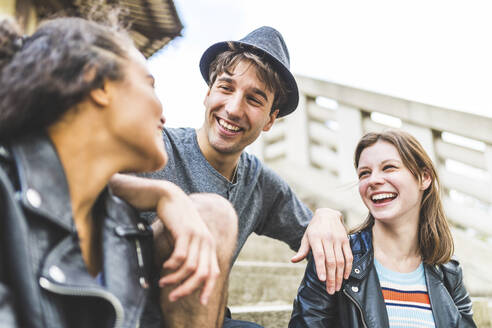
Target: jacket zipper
{"points": [[118, 308], [358, 307]]}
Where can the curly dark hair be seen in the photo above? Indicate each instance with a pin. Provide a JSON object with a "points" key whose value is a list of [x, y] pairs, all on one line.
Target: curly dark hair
{"points": [[44, 75]]}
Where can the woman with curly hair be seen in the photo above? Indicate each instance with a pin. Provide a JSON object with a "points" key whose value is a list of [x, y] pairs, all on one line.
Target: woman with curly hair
{"points": [[77, 105]]}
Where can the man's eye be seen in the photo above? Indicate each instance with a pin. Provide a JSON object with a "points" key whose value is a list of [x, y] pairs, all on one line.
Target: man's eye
{"points": [[255, 101], [224, 87]]}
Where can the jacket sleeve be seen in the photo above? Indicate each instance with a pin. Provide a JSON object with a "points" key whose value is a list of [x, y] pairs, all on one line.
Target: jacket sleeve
{"points": [[313, 306], [7, 313], [453, 279]]}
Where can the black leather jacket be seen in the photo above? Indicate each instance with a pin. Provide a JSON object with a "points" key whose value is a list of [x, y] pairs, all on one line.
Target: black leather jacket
{"points": [[360, 302], [43, 278]]}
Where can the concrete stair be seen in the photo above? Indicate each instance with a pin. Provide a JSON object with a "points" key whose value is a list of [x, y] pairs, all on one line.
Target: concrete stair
{"points": [[263, 285]]}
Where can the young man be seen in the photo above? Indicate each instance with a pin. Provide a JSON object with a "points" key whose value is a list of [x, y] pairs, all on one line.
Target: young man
{"points": [[250, 85]]}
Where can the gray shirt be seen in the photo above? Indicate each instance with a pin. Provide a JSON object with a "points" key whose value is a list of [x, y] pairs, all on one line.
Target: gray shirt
{"points": [[265, 204]]}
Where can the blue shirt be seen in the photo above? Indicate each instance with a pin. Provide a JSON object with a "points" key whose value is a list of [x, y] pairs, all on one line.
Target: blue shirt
{"points": [[265, 204]]}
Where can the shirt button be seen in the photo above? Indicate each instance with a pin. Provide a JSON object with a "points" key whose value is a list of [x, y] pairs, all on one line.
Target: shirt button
{"points": [[33, 197], [357, 271], [355, 289]]}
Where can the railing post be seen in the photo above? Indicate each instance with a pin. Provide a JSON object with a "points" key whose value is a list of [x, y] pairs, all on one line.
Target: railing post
{"points": [[349, 132], [488, 162], [424, 136], [296, 134]]}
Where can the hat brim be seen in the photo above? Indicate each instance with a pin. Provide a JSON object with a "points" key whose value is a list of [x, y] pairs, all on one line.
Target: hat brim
{"points": [[292, 91]]}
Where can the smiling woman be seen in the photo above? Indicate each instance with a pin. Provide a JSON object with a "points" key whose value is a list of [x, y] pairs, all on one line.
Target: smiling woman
{"points": [[403, 274], [77, 105]]}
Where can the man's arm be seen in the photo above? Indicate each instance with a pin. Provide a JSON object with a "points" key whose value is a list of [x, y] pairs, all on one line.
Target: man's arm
{"points": [[325, 234], [194, 258]]}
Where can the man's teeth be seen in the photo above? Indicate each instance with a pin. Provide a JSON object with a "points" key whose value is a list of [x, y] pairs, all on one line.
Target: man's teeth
{"points": [[228, 126], [383, 196]]}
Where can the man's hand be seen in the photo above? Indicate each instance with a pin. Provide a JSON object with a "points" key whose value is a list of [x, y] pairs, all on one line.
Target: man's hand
{"points": [[327, 238], [194, 257]]}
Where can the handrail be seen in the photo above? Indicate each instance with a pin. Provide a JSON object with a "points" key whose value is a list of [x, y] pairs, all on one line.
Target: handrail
{"points": [[429, 116]]}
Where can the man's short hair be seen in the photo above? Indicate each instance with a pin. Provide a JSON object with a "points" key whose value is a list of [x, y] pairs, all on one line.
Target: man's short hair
{"points": [[226, 62]]}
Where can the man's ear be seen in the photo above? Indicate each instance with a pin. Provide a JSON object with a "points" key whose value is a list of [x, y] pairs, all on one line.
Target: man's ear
{"points": [[271, 120], [206, 96], [102, 95], [426, 180]]}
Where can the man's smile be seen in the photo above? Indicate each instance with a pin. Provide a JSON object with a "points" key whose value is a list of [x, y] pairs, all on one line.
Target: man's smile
{"points": [[228, 127]]}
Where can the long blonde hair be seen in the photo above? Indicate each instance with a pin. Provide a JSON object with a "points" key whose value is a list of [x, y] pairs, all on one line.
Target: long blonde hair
{"points": [[435, 240]]}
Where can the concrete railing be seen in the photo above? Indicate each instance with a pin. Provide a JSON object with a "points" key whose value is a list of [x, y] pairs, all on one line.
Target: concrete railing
{"points": [[313, 148]]}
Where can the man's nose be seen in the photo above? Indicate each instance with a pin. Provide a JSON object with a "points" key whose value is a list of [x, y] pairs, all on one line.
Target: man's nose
{"points": [[234, 106]]}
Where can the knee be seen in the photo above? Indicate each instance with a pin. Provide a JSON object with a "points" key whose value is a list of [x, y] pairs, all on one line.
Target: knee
{"points": [[219, 215]]}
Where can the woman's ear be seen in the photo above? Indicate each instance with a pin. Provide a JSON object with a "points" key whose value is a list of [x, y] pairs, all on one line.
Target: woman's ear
{"points": [[425, 180], [102, 95]]}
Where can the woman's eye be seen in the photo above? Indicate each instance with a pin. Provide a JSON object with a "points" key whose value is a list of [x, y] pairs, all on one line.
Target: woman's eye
{"points": [[363, 174], [389, 167]]}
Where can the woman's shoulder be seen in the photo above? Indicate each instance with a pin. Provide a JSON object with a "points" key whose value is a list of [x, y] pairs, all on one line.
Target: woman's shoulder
{"points": [[450, 273], [452, 267]]}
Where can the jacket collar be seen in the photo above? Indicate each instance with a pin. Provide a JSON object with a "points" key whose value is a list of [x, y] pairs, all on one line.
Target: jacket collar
{"points": [[44, 188], [361, 244]]}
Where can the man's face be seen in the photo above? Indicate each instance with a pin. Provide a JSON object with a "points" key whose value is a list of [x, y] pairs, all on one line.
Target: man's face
{"points": [[237, 109]]}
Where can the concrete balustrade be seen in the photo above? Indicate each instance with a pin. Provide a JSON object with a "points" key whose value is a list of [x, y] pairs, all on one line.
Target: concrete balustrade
{"points": [[323, 138], [313, 151]]}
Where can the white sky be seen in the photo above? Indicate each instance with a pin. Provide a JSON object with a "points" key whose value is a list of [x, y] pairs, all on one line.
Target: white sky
{"points": [[436, 52]]}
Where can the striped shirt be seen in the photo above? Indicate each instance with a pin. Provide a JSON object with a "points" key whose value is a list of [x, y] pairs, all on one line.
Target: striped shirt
{"points": [[406, 297]]}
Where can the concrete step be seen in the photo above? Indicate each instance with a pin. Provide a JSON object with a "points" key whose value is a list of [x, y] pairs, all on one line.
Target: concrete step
{"points": [[273, 318], [253, 283], [263, 283], [265, 249]]}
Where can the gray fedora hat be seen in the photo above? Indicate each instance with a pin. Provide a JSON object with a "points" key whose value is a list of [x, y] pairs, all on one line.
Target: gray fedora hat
{"points": [[268, 42]]}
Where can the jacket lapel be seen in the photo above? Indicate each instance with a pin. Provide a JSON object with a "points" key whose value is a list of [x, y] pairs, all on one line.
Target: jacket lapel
{"points": [[361, 287]]}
